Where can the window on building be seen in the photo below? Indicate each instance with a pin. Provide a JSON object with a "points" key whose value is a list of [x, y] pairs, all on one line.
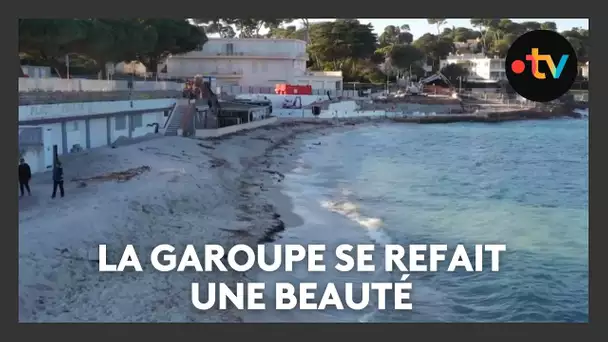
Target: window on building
{"points": [[254, 67], [120, 123], [264, 66], [230, 49], [338, 85], [138, 120]]}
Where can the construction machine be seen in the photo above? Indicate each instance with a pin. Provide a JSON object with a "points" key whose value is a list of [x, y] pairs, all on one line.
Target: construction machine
{"points": [[418, 88]]}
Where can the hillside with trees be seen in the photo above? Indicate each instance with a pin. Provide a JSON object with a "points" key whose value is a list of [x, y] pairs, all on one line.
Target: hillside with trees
{"points": [[343, 44], [91, 43]]}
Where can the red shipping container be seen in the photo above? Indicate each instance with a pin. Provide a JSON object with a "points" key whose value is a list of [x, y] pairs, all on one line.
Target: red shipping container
{"points": [[288, 89], [280, 89], [303, 90]]}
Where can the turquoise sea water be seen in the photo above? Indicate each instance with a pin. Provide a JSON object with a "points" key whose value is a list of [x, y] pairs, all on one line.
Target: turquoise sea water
{"points": [[523, 184]]}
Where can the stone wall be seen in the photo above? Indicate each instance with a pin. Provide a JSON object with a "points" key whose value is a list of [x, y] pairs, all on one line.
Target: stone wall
{"points": [[51, 97]]}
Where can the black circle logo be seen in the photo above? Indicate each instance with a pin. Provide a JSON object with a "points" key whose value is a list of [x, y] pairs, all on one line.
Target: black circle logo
{"points": [[541, 65]]}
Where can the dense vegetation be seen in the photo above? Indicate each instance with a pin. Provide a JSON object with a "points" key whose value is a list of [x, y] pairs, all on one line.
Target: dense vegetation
{"points": [[91, 43], [343, 44]]}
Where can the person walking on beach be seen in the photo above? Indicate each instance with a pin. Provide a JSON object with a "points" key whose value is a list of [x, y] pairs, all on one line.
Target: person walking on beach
{"points": [[25, 174], [57, 179]]}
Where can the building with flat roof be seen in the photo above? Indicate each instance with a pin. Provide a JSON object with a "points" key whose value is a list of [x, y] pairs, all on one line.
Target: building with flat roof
{"points": [[584, 70], [254, 62], [479, 67], [47, 131]]}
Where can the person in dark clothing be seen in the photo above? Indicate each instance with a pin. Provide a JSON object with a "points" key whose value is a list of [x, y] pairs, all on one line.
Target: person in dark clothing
{"points": [[57, 180], [25, 174]]}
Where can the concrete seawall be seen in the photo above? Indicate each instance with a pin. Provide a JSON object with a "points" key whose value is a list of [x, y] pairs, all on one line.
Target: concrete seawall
{"points": [[225, 131], [353, 109], [218, 132], [488, 117]]}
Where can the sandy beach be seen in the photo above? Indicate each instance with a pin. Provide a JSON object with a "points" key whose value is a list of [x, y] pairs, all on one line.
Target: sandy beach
{"points": [[172, 190]]}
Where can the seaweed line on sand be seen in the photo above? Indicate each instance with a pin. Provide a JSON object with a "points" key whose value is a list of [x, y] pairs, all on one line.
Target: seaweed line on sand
{"points": [[220, 197]]}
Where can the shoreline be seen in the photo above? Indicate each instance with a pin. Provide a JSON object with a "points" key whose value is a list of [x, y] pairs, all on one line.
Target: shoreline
{"points": [[302, 235], [226, 191]]}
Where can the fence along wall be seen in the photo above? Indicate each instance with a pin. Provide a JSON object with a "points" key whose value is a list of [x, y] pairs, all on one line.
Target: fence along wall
{"points": [[84, 85], [238, 90], [61, 84]]}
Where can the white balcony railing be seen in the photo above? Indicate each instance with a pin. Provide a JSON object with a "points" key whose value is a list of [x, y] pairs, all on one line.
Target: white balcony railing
{"points": [[242, 54], [224, 72], [324, 73]]}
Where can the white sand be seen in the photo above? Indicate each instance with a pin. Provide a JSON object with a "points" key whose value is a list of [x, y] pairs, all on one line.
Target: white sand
{"points": [[196, 192]]}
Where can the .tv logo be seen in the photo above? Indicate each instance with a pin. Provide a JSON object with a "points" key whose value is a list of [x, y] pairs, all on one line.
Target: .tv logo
{"points": [[531, 58], [518, 66]]}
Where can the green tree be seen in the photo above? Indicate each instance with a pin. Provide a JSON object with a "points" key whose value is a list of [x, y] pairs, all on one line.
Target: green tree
{"points": [[434, 47], [501, 47], [107, 41], [44, 39], [173, 36], [459, 34], [549, 25], [579, 39], [395, 35], [306, 24], [222, 27], [246, 28], [305, 27], [531, 25], [288, 32], [132, 39], [485, 26], [48, 41], [506, 26], [454, 71], [438, 23], [403, 56], [250, 28], [336, 44], [344, 44]]}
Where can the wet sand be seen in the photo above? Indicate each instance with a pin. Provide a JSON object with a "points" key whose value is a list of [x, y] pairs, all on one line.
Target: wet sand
{"points": [[222, 191]]}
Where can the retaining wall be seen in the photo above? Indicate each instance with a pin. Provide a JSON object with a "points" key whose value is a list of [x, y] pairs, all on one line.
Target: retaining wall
{"points": [[215, 133]]}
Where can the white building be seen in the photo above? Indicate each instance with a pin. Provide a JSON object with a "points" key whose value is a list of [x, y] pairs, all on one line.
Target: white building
{"points": [[584, 70], [469, 46], [57, 129], [36, 71], [254, 62], [480, 68]]}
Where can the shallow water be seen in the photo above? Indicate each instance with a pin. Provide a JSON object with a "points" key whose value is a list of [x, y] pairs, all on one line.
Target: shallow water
{"points": [[524, 184]]}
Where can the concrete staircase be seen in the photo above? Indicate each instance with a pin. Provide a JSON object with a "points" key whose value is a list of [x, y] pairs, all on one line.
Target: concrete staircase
{"points": [[175, 119], [184, 115]]}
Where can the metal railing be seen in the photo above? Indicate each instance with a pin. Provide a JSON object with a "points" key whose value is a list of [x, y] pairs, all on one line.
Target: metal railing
{"points": [[266, 54], [239, 90], [62, 84]]}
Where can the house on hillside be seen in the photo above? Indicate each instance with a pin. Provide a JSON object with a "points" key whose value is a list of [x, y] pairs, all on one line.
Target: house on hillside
{"points": [[479, 67], [251, 62], [584, 70], [469, 46]]}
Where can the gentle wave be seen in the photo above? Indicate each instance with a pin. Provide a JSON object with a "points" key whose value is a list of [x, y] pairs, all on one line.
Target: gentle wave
{"points": [[523, 184]]}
